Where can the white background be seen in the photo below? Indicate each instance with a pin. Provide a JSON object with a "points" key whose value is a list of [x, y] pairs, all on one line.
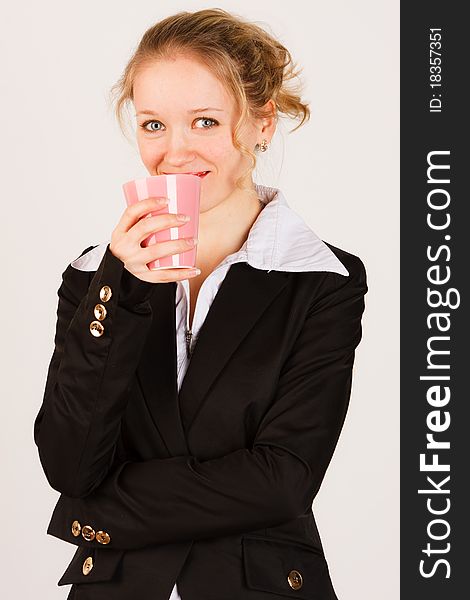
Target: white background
{"points": [[64, 160]]}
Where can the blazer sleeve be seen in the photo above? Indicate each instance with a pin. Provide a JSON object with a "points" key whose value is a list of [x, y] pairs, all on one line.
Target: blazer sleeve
{"points": [[183, 498], [78, 423]]}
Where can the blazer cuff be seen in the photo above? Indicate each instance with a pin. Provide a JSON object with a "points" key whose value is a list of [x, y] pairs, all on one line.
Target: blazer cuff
{"points": [[132, 293]]}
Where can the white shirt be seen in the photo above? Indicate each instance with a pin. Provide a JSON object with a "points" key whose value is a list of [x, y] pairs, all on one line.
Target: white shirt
{"points": [[279, 240]]}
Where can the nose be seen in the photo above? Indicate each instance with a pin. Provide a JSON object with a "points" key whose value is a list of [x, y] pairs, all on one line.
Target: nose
{"points": [[178, 151]]}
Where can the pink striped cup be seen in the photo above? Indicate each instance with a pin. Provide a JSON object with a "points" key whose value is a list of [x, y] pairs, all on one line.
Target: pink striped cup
{"points": [[183, 192]]}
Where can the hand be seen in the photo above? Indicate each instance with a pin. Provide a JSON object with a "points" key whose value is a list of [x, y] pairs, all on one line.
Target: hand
{"points": [[132, 229]]}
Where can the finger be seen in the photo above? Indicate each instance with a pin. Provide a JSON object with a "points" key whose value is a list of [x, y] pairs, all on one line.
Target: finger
{"points": [[168, 275], [135, 212], [161, 249], [146, 227]]}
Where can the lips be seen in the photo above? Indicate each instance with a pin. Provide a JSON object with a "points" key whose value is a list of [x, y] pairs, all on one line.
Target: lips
{"points": [[201, 174]]}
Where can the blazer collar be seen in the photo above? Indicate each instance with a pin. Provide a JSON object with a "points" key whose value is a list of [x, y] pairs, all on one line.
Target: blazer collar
{"points": [[279, 240]]}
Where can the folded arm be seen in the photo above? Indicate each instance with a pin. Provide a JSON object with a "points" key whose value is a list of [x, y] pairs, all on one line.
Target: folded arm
{"points": [[183, 498]]}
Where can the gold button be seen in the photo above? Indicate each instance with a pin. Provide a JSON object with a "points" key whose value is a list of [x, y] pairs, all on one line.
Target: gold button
{"points": [[96, 328], [87, 565], [295, 579], [105, 293], [88, 533], [103, 537], [100, 312], [76, 528]]}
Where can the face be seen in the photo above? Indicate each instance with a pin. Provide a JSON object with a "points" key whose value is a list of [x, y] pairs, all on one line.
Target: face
{"points": [[187, 126]]}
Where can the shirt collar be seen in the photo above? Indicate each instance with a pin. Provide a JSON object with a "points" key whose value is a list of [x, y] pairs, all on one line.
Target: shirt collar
{"points": [[279, 240]]}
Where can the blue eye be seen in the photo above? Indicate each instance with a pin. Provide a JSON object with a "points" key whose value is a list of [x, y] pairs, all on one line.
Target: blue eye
{"points": [[212, 122], [144, 125], [208, 123]]}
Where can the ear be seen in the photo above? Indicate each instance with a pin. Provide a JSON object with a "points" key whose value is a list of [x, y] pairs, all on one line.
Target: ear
{"points": [[267, 125]]}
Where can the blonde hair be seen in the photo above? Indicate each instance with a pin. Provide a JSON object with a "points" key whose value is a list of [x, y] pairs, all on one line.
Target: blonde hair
{"points": [[252, 65]]}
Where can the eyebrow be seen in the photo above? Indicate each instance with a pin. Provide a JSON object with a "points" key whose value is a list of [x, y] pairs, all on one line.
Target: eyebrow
{"points": [[191, 112]]}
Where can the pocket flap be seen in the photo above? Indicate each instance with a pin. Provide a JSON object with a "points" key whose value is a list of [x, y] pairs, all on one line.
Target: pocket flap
{"points": [[286, 568], [101, 567]]}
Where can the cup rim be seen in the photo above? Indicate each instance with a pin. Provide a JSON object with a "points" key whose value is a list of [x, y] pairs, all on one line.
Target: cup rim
{"points": [[157, 176]]}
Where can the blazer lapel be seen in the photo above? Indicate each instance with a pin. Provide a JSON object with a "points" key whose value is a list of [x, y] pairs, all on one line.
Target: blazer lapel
{"points": [[157, 370], [242, 298]]}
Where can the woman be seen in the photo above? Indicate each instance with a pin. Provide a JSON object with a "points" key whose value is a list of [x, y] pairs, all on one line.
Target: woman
{"points": [[187, 464]]}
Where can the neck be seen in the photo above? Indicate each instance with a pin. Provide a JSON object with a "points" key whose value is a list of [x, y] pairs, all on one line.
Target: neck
{"points": [[224, 228]]}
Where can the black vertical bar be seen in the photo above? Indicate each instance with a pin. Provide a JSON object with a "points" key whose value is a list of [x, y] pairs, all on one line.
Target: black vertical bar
{"points": [[435, 270]]}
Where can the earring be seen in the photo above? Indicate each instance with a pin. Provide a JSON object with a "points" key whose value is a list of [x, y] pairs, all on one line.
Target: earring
{"points": [[263, 146]]}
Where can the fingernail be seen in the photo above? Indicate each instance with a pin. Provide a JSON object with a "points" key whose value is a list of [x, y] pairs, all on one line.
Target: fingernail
{"points": [[183, 217], [196, 272], [162, 200], [191, 241]]}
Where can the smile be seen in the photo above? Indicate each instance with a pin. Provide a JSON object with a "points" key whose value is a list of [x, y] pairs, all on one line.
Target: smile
{"points": [[200, 174]]}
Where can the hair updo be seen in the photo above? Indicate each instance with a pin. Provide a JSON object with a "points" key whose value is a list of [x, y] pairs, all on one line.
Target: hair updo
{"points": [[252, 65]]}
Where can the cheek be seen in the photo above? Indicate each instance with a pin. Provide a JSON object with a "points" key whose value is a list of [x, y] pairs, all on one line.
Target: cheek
{"points": [[221, 147], [143, 151], [149, 153], [224, 154]]}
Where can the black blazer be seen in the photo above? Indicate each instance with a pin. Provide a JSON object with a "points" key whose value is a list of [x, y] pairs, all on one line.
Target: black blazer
{"points": [[211, 487]]}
